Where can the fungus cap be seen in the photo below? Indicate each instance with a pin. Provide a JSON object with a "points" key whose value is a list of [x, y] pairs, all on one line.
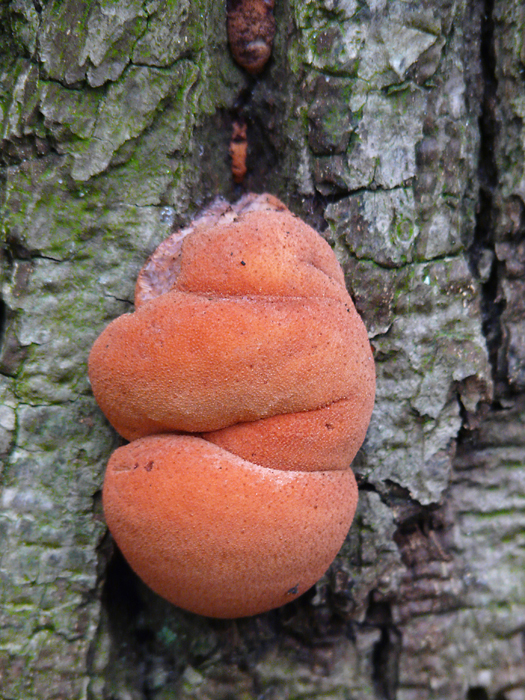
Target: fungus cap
{"points": [[251, 28]]}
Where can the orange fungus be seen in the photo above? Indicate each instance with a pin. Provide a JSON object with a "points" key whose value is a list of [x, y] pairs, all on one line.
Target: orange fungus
{"points": [[245, 382], [251, 29]]}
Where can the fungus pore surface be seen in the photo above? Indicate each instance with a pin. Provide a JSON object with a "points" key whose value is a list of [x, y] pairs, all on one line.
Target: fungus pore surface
{"points": [[244, 382]]}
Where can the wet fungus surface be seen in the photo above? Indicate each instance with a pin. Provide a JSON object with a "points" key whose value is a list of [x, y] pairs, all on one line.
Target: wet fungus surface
{"points": [[244, 381]]}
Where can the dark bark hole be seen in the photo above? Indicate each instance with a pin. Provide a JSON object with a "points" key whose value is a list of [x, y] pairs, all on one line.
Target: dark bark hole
{"points": [[120, 595], [477, 693], [15, 250], [386, 652], [364, 485], [385, 663], [124, 609], [421, 537], [482, 252], [3, 321], [262, 156]]}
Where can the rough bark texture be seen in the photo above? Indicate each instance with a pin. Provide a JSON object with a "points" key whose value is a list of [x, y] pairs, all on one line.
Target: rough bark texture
{"points": [[394, 127]]}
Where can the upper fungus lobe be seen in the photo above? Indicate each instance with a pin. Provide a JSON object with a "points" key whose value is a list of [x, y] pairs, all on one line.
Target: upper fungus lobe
{"points": [[246, 340], [196, 363]]}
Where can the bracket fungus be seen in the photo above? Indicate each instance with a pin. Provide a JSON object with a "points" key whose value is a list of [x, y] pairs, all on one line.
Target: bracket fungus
{"points": [[244, 381], [251, 28]]}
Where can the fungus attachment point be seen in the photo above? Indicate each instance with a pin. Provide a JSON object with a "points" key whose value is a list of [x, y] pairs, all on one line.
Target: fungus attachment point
{"points": [[245, 382]]}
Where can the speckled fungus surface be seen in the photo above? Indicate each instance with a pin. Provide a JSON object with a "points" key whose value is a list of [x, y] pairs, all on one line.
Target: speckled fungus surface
{"points": [[245, 382], [251, 28]]}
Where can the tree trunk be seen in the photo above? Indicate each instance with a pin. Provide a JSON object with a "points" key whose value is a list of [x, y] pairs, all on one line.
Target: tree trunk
{"points": [[396, 129]]}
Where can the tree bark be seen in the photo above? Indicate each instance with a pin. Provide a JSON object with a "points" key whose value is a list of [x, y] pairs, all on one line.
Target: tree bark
{"points": [[396, 129]]}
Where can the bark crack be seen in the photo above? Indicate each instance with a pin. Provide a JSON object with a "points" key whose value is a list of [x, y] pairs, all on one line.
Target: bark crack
{"points": [[482, 252]]}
